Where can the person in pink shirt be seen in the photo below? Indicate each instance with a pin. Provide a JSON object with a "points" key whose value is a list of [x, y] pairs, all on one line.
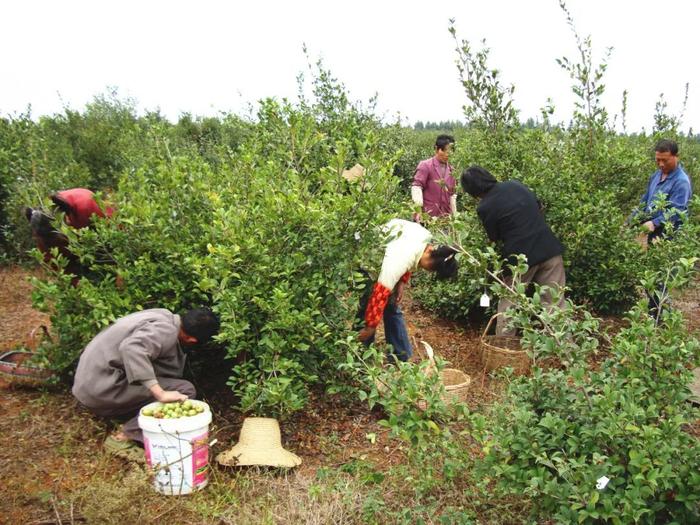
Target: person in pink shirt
{"points": [[433, 186]]}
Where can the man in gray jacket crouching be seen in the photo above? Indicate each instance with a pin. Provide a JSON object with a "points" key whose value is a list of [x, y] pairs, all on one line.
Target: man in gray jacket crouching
{"points": [[137, 360]]}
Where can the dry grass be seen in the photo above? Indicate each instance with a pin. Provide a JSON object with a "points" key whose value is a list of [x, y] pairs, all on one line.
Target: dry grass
{"points": [[52, 453], [268, 498], [251, 496], [18, 318]]}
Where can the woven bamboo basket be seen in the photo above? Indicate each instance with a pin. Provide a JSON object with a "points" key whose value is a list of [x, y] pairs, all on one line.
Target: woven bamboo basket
{"points": [[500, 351], [15, 367], [455, 381], [456, 385]]}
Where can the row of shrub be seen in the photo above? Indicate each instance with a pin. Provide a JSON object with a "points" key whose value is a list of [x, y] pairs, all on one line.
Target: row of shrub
{"points": [[588, 201], [258, 206], [588, 193], [266, 231], [589, 177], [570, 442]]}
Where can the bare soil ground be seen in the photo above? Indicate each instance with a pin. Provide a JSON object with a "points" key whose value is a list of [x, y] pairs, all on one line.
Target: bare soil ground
{"points": [[51, 450], [19, 320]]}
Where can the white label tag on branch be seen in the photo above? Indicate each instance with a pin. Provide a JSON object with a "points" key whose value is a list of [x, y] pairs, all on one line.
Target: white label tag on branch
{"points": [[602, 483], [484, 301]]}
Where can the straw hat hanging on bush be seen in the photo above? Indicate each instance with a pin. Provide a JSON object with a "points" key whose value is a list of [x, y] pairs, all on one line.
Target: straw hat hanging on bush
{"points": [[260, 443], [355, 173]]}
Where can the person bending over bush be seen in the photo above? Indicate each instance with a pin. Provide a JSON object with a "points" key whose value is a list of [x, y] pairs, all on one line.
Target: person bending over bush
{"points": [[408, 248], [79, 207], [512, 216]]}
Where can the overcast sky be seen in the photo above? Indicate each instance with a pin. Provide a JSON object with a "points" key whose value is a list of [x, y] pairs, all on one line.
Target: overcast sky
{"points": [[206, 56]]}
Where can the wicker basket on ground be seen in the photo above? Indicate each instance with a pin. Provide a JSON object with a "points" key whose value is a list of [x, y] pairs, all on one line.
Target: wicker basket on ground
{"points": [[456, 385], [16, 368], [455, 381], [500, 351]]}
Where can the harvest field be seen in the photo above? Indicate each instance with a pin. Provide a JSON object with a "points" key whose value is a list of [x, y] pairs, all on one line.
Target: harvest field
{"points": [[52, 450], [58, 471], [252, 217]]}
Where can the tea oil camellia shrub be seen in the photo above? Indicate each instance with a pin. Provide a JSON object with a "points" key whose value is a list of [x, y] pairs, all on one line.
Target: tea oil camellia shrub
{"points": [[588, 209], [588, 178], [150, 244], [92, 149], [252, 217], [455, 298], [280, 267], [561, 430], [271, 237]]}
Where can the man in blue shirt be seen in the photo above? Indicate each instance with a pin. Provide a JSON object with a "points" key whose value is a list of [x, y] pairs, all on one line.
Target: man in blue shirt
{"points": [[671, 183]]}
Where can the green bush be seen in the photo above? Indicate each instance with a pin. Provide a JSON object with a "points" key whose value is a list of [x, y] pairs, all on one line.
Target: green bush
{"points": [[93, 149], [588, 178], [561, 430], [270, 236]]}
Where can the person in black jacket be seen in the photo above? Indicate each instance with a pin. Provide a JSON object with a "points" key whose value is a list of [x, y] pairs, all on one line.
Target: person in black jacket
{"points": [[511, 215]]}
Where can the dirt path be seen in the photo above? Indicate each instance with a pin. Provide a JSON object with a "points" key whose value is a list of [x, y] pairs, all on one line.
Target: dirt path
{"points": [[18, 317], [690, 304]]}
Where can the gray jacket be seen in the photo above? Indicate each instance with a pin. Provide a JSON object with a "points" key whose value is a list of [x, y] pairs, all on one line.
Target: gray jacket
{"points": [[135, 350]]}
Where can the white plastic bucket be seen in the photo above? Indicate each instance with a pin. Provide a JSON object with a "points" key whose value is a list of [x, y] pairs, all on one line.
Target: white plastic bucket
{"points": [[177, 450]]}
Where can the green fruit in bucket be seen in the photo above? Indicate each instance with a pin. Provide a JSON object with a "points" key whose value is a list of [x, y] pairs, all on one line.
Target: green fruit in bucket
{"points": [[175, 410]]}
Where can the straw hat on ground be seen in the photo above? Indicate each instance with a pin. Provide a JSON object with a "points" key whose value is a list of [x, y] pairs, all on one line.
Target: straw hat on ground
{"points": [[355, 173], [260, 443]]}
